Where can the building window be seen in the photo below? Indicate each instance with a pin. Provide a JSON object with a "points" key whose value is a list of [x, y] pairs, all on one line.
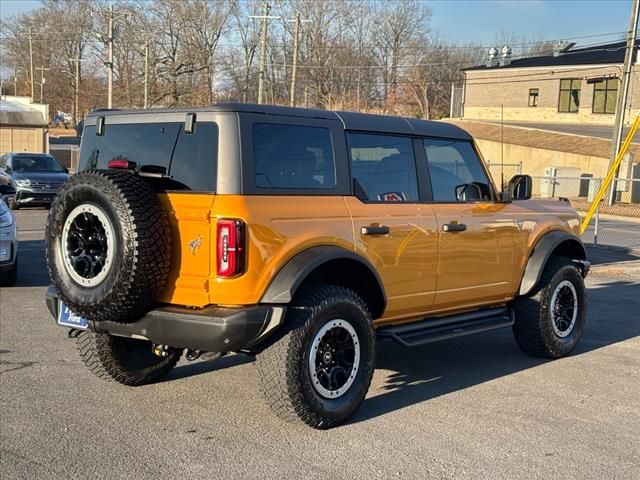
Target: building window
{"points": [[569, 95], [533, 97], [605, 95]]}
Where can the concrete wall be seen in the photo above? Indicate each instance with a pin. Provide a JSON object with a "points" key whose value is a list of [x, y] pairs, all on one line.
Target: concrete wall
{"points": [[486, 90], [535, 160]]}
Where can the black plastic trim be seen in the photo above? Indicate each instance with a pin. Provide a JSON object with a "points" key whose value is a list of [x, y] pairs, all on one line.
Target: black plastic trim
{"points": [[211, 329], [295, 271], [541, 253], [443, 328]]}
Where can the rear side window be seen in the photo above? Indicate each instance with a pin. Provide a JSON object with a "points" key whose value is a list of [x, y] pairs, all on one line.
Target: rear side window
{"points": [[189, 160], [293, 156], [453, 163], [384, 166]]}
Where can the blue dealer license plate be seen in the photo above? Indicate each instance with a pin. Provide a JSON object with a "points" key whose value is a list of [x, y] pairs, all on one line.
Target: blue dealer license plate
{"points": [[69, 319]]}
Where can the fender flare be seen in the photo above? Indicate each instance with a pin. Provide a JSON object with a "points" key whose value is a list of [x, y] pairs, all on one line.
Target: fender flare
{"points": [[540, 255], [285, 283]]}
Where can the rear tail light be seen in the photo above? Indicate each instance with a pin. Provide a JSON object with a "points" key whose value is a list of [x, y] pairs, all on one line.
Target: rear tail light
{"points": [[121, 163], [230, 247]]}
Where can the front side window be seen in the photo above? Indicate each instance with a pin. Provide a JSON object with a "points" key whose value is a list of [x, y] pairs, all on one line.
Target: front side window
{"points": [[605, 95], [293, 156], [533, 97], [384, 166], [452, 165], [569, 101]]}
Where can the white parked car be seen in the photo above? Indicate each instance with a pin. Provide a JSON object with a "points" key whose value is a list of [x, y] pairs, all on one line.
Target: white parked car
{"points": [[8, 246]]}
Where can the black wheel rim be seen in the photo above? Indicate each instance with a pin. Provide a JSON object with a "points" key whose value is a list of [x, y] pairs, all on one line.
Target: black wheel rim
{"points": [[87, 245], [334, 359], [564, 308]]}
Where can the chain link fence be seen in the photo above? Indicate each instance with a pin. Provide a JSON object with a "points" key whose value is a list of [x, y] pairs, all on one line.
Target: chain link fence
{"points": [[502, 173], [616, 225]]}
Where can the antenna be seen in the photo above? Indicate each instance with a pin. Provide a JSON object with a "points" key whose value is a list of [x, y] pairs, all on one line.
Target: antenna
{"points": [[502, 146]]}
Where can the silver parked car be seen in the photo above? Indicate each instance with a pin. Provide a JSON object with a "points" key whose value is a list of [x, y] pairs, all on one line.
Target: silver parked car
{"points": [[37, 177], [8, 245]]}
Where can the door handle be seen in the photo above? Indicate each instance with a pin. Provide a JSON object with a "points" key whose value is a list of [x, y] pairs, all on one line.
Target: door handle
{"points": [[454, 227], [374, 230]]}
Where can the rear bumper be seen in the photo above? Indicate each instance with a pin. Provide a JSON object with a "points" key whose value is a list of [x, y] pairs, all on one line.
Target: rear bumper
{"points": [[211, 329]]}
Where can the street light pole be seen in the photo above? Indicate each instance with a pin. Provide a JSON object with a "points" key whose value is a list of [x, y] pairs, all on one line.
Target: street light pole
{"points": [[42, 79], [624, 93]]}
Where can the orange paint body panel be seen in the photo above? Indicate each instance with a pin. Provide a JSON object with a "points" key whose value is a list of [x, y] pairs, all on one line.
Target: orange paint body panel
{"points": [[423, 269]]}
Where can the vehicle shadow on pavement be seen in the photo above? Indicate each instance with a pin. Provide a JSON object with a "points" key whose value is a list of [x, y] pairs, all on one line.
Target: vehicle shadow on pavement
{"points": [[199, 367], [600, 255], [422, 373], [32, 266]]}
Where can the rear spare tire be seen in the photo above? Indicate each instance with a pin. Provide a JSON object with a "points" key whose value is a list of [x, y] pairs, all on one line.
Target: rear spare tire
{"points": [[107, 245]]}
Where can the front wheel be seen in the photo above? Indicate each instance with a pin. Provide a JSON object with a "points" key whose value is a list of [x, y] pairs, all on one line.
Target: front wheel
{"points": [[320, 370], [126, 360], [550, 322]]}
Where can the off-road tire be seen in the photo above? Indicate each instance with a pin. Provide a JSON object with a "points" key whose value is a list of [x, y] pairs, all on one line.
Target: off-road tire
{"points": [[141, 243], [533, 329], [110, 358], [285, 380]]}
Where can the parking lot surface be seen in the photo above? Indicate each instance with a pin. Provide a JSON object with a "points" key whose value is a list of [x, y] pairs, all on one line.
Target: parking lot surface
{"points": [[474, 407]]}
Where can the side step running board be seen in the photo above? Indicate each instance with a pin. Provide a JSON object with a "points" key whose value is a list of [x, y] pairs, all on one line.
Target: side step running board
{"points": [[436, 329]]}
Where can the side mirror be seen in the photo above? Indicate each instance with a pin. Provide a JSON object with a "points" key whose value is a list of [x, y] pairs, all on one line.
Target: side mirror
{"points": [[66, 170], [468, 192], [520, 187]]}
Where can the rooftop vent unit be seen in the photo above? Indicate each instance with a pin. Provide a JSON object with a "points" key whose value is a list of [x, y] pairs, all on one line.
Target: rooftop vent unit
{"points": [[505, 56], [562, 47], [491, 59]]}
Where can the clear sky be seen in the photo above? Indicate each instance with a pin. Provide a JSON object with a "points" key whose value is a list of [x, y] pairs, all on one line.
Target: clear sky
{"points": [[481, 20]]}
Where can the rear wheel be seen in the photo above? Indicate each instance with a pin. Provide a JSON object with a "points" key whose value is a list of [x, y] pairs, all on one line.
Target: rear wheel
{"points": [[549, 323], [319, 371], [126, 360]]}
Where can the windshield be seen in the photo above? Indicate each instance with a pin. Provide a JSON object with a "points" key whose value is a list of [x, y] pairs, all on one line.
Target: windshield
{"points": [[41, 163]]}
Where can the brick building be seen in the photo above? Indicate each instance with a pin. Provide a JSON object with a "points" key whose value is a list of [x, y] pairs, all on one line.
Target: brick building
{"points": [[572, 85]]}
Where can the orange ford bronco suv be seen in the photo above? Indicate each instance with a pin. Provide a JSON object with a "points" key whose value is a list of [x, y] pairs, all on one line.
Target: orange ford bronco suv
{"points": [[300, 237]]}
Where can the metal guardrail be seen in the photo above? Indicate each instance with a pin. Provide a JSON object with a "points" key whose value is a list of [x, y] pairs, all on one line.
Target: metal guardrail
{"points": [[616, 225]]}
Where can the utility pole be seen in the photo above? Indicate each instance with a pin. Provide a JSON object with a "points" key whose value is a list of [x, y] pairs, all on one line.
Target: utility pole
{"points": [[265, 17], [42, 79], [294, 68], [110, 59], [15, 81], [29, 34], [623, 93], [146, 75], [77, 91]]}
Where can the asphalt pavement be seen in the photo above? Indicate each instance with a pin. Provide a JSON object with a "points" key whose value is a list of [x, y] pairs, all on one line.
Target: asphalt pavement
{"points": [[469, 408]]}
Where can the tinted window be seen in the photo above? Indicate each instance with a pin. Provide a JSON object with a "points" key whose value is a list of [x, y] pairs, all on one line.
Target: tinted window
{"points": [[143, 143], [384, 166], [293, 156], [194, 160], [453, 163], [35, 163]]}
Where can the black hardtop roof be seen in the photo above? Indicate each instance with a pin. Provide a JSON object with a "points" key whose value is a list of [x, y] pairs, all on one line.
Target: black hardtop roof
{"points": [[349, 120], [594, 55]]}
